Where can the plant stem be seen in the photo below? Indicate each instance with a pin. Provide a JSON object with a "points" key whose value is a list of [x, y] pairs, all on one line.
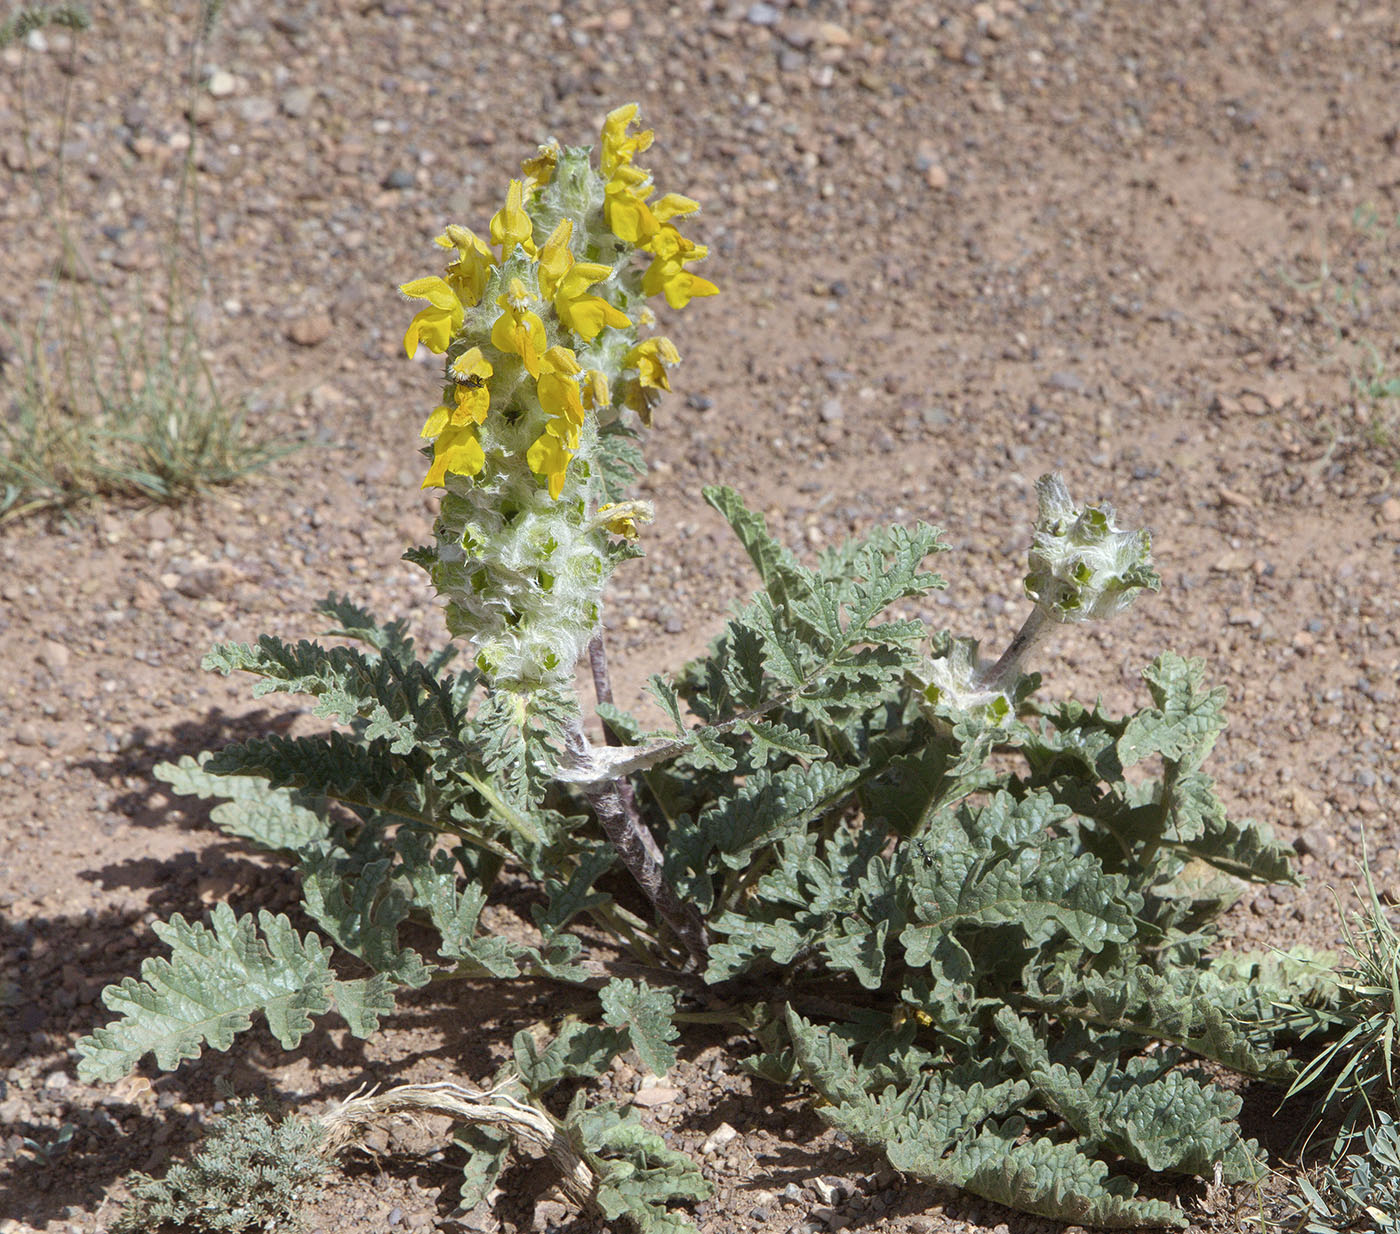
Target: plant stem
{"points": [[1036, 629], [637, 848], [602, 691]]}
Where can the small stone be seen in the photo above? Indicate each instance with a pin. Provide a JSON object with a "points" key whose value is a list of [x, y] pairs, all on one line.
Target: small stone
{"points": [[1232, 562], [256, 109], [829, 1192], [57, 1081], [395, 1216], [762, 15], [222, 83], [674, 625], [1315, 841], [310, 329], [792, 1194], [1390, 509], [831, 412], [298, 101], [721, 1136], [54, 656], [936, 177], [399, 178], [1251, 617], [618, 20], [831, 1219], [159, 525], [550, 1212], [1071, 382], [662, 1094]]}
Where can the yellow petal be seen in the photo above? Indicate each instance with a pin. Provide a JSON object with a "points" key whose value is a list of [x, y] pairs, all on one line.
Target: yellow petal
{"points": [[457, 452], [432, 289], [435, 422]]}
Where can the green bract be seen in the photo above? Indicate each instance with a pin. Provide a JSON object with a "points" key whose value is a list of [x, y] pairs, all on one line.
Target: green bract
{"points": [[1082, 567]]}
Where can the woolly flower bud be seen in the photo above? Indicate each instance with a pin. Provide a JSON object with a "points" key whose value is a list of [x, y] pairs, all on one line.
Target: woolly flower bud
{"points": [[540, 334], [957, 683], [1082, 567]]}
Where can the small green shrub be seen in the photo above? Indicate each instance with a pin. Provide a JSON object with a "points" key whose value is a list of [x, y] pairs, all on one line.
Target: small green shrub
{"points": [[91, 407], [1362, 1192], [1359, 1024], [250, 1173]]}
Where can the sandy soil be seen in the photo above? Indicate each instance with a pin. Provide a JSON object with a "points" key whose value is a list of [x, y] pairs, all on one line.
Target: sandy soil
{"points": [[958, 246]]}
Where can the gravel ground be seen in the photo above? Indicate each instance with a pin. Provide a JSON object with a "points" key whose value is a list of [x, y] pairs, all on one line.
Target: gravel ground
{"points": [[957, 245]]}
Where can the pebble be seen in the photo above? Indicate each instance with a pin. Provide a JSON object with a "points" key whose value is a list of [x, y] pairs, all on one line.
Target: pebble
{"points": [[649, 1098], [395, 1216], [762, 15], [298, 101], [721, 1136], [256, 109], [550, 1212], [222, 83], [1390, 509], [1064, 380], [793, 1194], [54, 656], [310, 329], [1316, 841], [936, 177], [399, 178]]}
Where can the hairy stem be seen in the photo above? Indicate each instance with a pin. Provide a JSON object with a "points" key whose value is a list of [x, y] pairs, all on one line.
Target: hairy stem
{"points": [[637, 848], [1035, 630], [602, 691]]}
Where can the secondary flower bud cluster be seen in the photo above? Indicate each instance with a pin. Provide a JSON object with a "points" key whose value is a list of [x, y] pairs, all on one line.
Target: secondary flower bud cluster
{"points": [[1082, 567], [539, 326]]}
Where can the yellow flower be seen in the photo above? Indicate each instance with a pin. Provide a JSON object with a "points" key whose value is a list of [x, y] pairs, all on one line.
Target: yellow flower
{"points": [[651, 358], [539, 170], [435, 325], [456, 451], [555, 258], [549, 458], [510, 225], [625, 209], [567, 281], [468, 274], [558, 390], [667, 273], [673, 206], [596, 394], [624, 522], [618, 146], [471, 398], [518, 331]]}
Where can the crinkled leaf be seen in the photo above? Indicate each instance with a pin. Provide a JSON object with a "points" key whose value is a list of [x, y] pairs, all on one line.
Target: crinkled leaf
{"points": [[216, 979], [645, 1012], [577, 1050], [271, 818], [1186, 722], [361, 909]]}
